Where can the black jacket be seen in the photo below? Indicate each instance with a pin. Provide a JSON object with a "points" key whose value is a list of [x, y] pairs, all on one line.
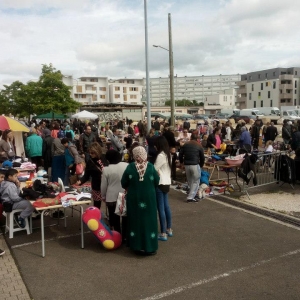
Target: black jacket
{"points": [[191, 153], [271, 133], [85, 141], [170, 137], [211, 140], [93, 170]]}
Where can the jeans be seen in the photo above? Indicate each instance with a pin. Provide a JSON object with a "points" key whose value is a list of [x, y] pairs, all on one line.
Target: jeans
{"points": [[164, 211], [26, 206], [193, 174]]}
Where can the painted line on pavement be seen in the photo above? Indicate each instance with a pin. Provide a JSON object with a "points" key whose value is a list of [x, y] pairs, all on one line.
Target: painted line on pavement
{"points": [[47, 240], [217, 277]]}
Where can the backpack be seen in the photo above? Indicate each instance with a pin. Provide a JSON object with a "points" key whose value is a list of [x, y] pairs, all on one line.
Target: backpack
{"points": [[61, 134], [68, 135]]}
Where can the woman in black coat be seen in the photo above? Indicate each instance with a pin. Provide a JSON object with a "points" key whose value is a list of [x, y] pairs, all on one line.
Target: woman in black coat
{"points": [[46, 150], [94, 167], [212, 140]]}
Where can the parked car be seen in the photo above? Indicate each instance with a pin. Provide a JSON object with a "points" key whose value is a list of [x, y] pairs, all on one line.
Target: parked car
{"points": [[241, 117], [222, 116], [201, 117]]}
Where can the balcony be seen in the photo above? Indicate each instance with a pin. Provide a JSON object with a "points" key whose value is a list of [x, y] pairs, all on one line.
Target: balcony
{"points": [[285, 96], [241, 83], [286, 77], [285, 87], [241, 99], [241, 91]]}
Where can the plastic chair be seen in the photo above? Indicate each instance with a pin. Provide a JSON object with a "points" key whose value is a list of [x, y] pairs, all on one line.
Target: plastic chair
{"points": [[10, 223]]}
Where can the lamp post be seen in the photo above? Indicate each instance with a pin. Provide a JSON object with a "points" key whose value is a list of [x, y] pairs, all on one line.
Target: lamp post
{"points": [[171, 67]]}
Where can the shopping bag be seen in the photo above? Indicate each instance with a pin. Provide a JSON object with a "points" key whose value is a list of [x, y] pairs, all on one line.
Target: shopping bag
{"points": [[121, 205], [79, 169]]}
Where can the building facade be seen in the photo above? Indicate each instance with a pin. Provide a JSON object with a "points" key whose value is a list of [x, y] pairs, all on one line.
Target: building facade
{"points": [[96, 90], [189, 87], [269, 88]]}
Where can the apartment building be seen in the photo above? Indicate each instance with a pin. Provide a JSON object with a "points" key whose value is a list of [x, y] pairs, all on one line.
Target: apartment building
{"points": [[96, 90], [126, 91], [273, 87], [225, 99], [189, 87]]}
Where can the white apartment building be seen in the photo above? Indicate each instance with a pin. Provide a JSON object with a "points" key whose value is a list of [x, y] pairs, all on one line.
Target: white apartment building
{"points": [[96, 90], [189, 87], [126, 91], [269, 88], [225, 99]]}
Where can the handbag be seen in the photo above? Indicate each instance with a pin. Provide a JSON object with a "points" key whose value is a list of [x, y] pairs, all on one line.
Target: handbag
{"points": [[121, 209], [79, 169]]}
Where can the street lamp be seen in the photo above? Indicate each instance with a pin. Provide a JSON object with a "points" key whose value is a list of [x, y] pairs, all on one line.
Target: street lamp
{"points": [[171, 67]]}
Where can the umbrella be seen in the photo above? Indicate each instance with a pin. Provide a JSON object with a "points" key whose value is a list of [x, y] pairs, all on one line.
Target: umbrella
{"points": [[12, 124], [85, 115]]}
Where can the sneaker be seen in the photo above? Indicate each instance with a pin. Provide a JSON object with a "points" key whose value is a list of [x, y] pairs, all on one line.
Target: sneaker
{"points": [[192, 200], [170, 233], [20, 221], [197, 198], [162, 237], [2, 252], [178, 187]]}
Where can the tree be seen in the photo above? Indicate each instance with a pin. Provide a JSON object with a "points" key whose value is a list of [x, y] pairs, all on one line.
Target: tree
{"points": [[51, 94]]}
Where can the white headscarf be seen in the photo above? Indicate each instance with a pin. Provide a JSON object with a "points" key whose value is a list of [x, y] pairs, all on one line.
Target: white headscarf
{"points": [[140, 156]]}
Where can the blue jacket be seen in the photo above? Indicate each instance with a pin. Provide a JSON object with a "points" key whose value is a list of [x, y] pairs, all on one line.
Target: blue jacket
{"points": [[34, 145], [245, 138]]}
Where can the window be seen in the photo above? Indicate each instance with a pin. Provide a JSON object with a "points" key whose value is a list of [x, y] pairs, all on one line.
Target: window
{"points": [[117, 88], [102, 89], [269, 94], [295, 92], [250, 96], [258, 76], [274, 84], [274, 73], [266, 75], [295, 84], [295, 102], [250, 77], [102, 96], [252, 88], [261, 103], [258, 95], [254, 104], [271, 103], [79, 89], [132, 96], [117, 96], [261, 86], [133, 89], [296, 72]]}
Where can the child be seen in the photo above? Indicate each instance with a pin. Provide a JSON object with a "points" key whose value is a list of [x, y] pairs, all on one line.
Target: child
{"points": [[1, 208], [268, 149], [204, 141], [174, 160], [10, 193]]}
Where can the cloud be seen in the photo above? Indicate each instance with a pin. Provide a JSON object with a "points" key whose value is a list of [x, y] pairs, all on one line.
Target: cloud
{"points": [[106, 38]]}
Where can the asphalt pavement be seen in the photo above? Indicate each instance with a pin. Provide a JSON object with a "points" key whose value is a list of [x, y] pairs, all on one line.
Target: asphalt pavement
{"points": [[217, 252]]}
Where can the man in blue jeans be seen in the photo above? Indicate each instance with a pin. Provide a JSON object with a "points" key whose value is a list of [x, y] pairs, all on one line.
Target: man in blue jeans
{"points": [[192, 156]]}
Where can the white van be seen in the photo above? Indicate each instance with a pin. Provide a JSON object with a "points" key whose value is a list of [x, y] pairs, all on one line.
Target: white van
{"points": [[251, 112], [271, 112]]}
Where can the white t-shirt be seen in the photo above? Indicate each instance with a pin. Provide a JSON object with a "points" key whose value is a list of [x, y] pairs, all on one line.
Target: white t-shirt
{"points": [[228, 133], [269, 148]]}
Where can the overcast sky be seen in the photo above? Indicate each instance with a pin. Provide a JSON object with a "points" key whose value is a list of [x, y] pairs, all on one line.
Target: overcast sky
{"points": [[107, 38]]}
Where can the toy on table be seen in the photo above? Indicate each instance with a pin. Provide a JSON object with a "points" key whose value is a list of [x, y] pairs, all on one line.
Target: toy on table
{"points": [[110, 239]]}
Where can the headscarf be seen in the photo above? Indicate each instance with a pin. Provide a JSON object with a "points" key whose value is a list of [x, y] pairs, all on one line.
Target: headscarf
{"points": [[140, 156], [68, 127]]}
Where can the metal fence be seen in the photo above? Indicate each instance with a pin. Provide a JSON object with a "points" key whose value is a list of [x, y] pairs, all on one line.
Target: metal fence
{"points": [[267, 169]]}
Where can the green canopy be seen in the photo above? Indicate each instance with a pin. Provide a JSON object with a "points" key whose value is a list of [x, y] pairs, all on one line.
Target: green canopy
{"points": [[51, 115]]}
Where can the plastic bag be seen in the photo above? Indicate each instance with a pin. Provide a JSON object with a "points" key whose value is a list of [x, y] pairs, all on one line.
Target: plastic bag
{"points": [[121, 209]]}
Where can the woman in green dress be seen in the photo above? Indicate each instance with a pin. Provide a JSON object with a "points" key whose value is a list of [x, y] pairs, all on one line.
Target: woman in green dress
{"points": [[140, 179]]}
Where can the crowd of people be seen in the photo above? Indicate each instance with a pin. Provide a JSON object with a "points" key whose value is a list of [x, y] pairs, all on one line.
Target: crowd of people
{"points": [[122, 155]]}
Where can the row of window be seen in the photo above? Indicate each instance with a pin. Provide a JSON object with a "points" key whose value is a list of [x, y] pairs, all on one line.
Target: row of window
{"points": [[281, 101], [260, 76]]}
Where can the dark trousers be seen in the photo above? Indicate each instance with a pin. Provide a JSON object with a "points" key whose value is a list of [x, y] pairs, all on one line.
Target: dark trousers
{"points": [[37, 160], [115, 220]]}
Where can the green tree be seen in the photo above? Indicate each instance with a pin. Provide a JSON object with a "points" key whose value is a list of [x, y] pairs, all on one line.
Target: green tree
{"points": [[51, 94]]}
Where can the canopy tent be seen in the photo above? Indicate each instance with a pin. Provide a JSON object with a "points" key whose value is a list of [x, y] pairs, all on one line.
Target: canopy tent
{"points": [[85, 115], [51, 115]]}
